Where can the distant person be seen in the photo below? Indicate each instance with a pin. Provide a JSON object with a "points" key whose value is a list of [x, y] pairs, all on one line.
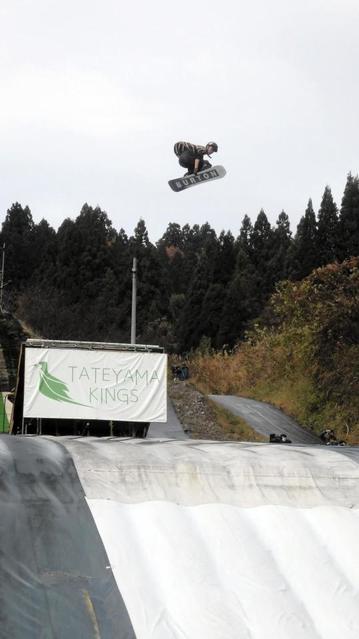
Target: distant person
{"points": [[327, 436], [86, 429]]}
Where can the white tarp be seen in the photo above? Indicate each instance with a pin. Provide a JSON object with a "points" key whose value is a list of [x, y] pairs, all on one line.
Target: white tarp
{"points": [[220, 540], [95, 384]]}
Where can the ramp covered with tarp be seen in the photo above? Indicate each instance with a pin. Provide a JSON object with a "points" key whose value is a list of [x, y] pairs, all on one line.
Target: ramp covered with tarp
{"points": [[222, 540], [164, 539], [55, 576]]}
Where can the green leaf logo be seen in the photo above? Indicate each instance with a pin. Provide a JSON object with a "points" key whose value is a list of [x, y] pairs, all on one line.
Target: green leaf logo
{"points": [[54, 388]]}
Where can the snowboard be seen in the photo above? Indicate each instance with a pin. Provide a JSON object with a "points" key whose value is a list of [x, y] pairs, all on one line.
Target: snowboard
{"points": [[182, 183]]}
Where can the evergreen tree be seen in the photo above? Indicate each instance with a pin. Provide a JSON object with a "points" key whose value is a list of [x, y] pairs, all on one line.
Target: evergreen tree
{"points": [[85, 252], [349, 219], [171, 256], [278, 264], [191, 330], [304, 250], [193, 241], [176, 305], [43, 252], [122, 268], [140, 239], [327, 229], [225, 260], [261, 239], [241, 302], [173, 236], [121, 254], [16, 234], [149, 299], [244, 240], [85, 258], [67, 262], [263, 250], [211, 312]]}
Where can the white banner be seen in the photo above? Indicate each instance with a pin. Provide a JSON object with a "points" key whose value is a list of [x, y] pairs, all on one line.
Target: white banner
{"points": [[95, 384]]}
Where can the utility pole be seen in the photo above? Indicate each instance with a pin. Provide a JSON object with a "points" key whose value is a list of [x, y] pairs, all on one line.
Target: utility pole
{"points": [[2, 276], [134, 298]]}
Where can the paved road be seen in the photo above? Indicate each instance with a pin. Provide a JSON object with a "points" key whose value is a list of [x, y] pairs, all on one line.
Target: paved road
{"points": [[266, 419], [172, 429]]}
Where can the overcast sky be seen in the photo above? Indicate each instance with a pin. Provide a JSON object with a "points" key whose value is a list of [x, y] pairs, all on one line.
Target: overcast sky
{"points": [[95, 93]]}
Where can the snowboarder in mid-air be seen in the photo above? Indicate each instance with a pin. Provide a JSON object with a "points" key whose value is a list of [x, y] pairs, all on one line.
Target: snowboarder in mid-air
{"points": [[191, 156], [199, 170]]}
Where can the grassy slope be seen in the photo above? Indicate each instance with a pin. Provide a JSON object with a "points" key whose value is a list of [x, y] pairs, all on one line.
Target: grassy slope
{"points": [[304, 358], [234, 427]]}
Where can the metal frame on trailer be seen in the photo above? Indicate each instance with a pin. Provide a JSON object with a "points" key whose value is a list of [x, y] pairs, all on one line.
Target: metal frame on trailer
{"points": [[110, 346], [17, 417]]}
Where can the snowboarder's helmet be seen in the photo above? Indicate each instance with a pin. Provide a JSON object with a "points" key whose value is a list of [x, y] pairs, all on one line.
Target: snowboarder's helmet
{"points": [[214, 146]]}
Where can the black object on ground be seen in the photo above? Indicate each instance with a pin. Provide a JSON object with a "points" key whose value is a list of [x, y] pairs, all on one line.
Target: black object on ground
{"points": [[180, 372], [328, 438], [279, 439]]}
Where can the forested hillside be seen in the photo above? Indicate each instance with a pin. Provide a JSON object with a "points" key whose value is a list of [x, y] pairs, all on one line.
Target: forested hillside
{"points": [[194, 285]]}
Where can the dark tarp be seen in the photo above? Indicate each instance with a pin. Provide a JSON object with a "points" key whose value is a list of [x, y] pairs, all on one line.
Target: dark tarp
{"points": [[55, 578]]}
